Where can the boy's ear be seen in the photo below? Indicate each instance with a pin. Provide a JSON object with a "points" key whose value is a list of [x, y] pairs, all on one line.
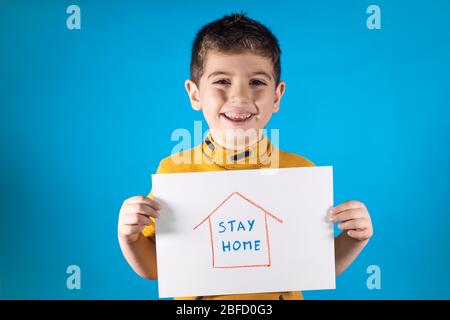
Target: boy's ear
{"points": [[279, 92], [193, 93]]}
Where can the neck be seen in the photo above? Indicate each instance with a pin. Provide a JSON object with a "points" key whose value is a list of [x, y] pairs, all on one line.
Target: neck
{"points": [[237, 140]]}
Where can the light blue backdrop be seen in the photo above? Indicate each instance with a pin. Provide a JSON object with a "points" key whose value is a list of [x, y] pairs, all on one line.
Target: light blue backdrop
{"points": [[86, 115]]}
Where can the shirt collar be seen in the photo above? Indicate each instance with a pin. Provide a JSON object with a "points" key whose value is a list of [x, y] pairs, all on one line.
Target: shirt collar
{"points": [[252, 157]]}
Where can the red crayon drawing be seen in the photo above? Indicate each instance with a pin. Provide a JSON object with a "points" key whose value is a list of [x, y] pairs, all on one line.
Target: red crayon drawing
{"points": [[239, 233]]}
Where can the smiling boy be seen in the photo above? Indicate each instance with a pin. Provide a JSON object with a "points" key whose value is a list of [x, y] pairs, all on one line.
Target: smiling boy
{"points": [[235, 82]]}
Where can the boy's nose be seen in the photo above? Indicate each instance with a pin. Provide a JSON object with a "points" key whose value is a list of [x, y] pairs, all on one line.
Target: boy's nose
{"points": [[239, 97], [239, 101]]}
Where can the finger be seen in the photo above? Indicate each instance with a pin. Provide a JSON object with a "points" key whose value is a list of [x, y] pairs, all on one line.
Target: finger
{"points": [[348, 215], [135, 219], [354, 224], [129, 230], [140, 208], [146, 200], [352, 204], [360, 234]]}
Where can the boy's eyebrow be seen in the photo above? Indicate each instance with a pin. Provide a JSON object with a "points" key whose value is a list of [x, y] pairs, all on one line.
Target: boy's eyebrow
{"points": [[216, 73], [261, 73]]}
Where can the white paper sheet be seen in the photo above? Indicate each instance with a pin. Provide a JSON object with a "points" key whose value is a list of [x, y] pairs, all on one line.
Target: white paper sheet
{"points": [[244, 231]]}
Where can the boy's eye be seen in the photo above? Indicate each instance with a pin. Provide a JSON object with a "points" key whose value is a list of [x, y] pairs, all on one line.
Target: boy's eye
{"points": [[257, 83], [222, 81]]}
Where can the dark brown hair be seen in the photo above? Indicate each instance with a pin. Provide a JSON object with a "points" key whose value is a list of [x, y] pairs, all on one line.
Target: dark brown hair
{"points": [[235, 33]]}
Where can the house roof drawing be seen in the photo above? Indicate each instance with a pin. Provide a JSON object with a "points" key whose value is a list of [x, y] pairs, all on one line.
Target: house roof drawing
{"points": [[264, 261]]}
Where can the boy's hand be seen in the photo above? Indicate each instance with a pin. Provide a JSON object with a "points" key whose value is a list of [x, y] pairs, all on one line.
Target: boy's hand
{"points": [[355, 219], [134, 215]]}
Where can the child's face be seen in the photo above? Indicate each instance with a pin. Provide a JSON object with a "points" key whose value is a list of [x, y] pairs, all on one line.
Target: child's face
{"points": [[237, 94]]}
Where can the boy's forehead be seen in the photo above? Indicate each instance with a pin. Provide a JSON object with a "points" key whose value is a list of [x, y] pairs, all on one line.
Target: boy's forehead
{"points": [[245, 62]]}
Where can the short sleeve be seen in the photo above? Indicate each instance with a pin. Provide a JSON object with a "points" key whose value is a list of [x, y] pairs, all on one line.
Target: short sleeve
{"points": [[149, 231]]}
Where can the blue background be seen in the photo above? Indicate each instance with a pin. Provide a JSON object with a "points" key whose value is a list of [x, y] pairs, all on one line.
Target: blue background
{"points": [[86, 115]]}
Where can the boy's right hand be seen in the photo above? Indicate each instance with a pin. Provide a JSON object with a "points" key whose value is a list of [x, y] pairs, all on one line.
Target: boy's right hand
{"points": [[134, 215]]}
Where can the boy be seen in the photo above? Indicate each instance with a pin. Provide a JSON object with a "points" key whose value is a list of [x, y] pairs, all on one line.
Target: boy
{"points": [[235, 82]]}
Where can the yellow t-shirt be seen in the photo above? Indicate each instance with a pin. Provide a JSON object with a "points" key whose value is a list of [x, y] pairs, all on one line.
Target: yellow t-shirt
{"points": [[210, 156]]}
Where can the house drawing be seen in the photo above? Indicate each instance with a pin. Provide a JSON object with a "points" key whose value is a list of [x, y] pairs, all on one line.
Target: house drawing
{"points": [[239, 233]]}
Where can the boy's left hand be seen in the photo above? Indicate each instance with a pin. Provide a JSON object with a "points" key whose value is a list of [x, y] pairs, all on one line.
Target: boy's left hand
{"points": [[355, 219]]}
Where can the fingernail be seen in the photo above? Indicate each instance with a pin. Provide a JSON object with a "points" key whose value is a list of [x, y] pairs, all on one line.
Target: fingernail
{"points": [[340, 226], [349, 233], [332, 210], [332, 219]]}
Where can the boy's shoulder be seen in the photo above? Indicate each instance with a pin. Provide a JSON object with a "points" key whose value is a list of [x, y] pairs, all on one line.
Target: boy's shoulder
{"points": [[293, 160]]}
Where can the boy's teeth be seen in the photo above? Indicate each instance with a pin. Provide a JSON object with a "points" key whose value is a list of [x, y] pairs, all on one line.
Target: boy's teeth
{"points": [[235, 116]]}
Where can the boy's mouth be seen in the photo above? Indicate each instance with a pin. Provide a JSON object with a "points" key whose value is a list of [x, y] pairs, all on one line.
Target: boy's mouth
{"points": [[238, 117]]}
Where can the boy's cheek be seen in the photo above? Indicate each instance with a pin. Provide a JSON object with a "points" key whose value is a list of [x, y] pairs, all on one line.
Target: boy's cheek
{"points": [[214, 95], [212, 103]]}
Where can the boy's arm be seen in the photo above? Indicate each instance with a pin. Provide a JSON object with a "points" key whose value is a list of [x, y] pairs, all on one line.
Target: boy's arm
{"points": [[141, 256], [139, 251], [346, 250], [356, 229]]}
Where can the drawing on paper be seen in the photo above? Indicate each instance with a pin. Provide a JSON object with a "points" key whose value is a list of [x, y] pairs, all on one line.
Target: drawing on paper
{"points": [[239, 233]]}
